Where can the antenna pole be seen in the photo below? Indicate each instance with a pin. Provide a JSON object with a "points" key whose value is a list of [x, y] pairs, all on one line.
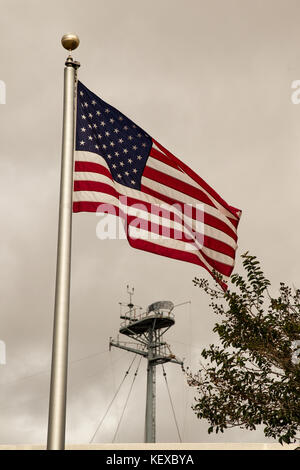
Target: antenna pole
{"points": [[149, 326], [150, 422]]}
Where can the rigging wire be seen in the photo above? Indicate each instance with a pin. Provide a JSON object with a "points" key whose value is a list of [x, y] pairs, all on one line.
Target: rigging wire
{"points": [[174, 415], [134, 377], [45, 371], [114, 397], [71, 387]]}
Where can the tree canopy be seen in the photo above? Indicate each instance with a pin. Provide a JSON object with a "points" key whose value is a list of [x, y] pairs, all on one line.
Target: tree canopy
{"points": [[252, 376]]}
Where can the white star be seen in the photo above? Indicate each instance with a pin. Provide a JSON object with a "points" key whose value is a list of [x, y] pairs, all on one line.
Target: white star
{"points": [[121, 141], [125, 151], [104, 146], [95, 126], [116, 131], [114, 166], [132, 182], [82, 142], [102, 123], [107, 110], [125, 127], [93, 102], [120, 118], [139, 135], [90, 115], [109, 156], [98, 113], [134, 170], [116, 154], [112, 120], [97, 147], [90, 137], [144, 145], [99, 136], [119, 176], [129, 160], [139, 157], [126, 173], [85, 104], [83, 116], [112, 144], [81, 93], [107, 133], [83, 129], [134, 147], [122, 163], [130, 137]]}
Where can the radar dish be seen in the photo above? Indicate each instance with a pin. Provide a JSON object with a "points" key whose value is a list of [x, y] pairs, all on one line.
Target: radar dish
{"points": [[161, 305]]}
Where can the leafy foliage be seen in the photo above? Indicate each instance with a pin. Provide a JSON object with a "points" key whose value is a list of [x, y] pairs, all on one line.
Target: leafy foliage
{"points": [[252, 378]]}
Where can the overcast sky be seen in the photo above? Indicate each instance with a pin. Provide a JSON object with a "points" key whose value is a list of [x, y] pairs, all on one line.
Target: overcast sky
{"points": [[211, 81]]}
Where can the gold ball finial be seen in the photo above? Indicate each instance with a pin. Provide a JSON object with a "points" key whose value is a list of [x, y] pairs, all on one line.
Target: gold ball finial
{"points": [[70, 41]]}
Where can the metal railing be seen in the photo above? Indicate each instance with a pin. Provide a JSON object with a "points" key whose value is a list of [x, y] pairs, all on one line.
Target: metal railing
{"points": [[132, 316]]}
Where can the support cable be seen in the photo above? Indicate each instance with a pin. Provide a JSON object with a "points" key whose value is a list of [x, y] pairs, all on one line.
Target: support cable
{"points": [[46, 371], [165, 376], [114, 397], [134, 377]]}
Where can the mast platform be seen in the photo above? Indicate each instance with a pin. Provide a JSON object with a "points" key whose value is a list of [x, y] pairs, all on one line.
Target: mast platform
{"points": [[140, 325]]}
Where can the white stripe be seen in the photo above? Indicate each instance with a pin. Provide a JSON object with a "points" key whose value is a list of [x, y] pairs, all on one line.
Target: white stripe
{"points": [[104, 199], [176, 245], [94, 158], [181, 176], [91, 157], [141, 212], [130, 192], [184, 198]]}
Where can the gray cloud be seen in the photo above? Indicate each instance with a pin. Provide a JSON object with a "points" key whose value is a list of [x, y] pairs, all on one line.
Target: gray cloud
{"points": [[212, 82]]}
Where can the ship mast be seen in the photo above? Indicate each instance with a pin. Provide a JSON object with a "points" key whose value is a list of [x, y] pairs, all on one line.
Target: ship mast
{"points": [[147, 329]]}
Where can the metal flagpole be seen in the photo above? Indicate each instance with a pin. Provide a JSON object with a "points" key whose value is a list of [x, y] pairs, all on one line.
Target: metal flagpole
{"points": [[59, 367]]}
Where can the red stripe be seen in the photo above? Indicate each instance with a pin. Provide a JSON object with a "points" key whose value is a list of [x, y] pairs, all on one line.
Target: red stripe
{"points": [[207, 218], [131, 220], [171, 253], [223, 268], [157, 155], [179, 235], [219, 246], [96, 186], [209, 242], [198, 180], [162, 158], [85, 206], [100, 169], [162, 230], [92, 168], [234, 222], [91, 206], [177, 184]]}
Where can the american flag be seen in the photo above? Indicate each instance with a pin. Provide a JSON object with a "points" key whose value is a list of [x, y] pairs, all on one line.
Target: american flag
{"points": [[166, 207]]}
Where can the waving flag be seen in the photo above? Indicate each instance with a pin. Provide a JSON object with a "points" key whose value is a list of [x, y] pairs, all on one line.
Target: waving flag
{"points": [[167, 208]]}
